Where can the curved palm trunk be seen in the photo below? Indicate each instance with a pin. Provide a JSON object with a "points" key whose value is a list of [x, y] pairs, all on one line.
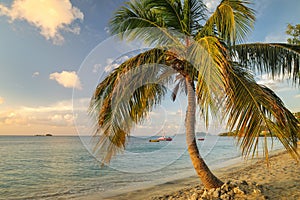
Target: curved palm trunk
{"points": [[208, 179]]}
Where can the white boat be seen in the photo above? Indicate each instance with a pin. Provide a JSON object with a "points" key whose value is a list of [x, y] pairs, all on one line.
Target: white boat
{"points": [[164, 138]]}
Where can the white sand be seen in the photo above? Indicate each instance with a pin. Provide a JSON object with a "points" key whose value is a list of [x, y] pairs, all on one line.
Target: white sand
{"points": [[281, 179]]}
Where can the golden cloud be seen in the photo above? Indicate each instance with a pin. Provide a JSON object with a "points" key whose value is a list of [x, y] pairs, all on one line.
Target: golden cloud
{"points": [[58, 114], [51, 16], [67, 79]]}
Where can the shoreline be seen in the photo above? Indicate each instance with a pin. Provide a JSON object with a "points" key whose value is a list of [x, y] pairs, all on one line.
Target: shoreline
{"points": [[283, 171]]}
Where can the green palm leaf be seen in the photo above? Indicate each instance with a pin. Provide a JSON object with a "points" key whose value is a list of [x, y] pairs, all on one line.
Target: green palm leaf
{"points": [[148, 21], [273, 58], [209, 57], [250, 107], [125, 97], [231, 21], [194, 11]]}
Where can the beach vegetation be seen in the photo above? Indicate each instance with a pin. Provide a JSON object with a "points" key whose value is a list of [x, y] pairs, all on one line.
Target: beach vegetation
{"points": [[294, 34], [206, 57]]}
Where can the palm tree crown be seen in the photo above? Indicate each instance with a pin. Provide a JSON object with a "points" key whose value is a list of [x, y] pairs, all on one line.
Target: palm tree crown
{"points": [[204, 56]]}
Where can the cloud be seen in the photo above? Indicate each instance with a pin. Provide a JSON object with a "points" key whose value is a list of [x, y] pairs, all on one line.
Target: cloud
{"points": [[35, 74], [106, 29], [51, 17], [1, 100], [277, 84], [67, 79], [179, 112], [111, 65], [96, 67], [276, 37], [211, 4], [273, 83], [57, 115]]}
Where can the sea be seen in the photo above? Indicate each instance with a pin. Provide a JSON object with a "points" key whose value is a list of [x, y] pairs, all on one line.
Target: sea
{"points": [[63, 167]]}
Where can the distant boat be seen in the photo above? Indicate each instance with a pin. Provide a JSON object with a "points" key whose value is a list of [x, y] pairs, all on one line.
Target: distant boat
{"points": [[48, 134], [164, 138], [200, 139], [153, 140]]}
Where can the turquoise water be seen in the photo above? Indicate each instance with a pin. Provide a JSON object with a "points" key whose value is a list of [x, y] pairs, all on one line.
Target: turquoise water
{"points": [[63, 168]]}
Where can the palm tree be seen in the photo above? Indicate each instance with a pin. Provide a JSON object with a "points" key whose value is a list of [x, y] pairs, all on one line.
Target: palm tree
{"points": [[203, 56]]}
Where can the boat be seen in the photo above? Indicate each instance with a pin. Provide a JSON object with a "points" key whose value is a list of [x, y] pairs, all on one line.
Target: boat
{"points": [[200, 139], [155, 140], [164, 138], [42, 135]]}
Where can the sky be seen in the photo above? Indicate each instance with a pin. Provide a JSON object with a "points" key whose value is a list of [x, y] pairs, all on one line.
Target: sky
{"points": [[53, 53]]}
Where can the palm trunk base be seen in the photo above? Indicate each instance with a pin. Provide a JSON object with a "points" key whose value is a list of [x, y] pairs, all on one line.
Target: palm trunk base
{"points": [[211, 181], [208, 179]]}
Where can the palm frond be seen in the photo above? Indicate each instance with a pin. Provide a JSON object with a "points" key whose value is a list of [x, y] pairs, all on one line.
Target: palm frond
{"points": [[273, 58], [194, 11], [149, 21], [171, 13], [124, 98], [231, 21], [180, 85], [210, 58], [250, 107]]}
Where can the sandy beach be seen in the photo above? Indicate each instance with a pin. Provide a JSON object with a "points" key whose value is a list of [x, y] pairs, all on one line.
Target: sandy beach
{"points": [[279, 181]]}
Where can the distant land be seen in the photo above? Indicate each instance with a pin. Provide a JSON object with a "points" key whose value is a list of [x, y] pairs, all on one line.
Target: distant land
{"points": [[234, 133], [203, 134], [262, 133]]}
